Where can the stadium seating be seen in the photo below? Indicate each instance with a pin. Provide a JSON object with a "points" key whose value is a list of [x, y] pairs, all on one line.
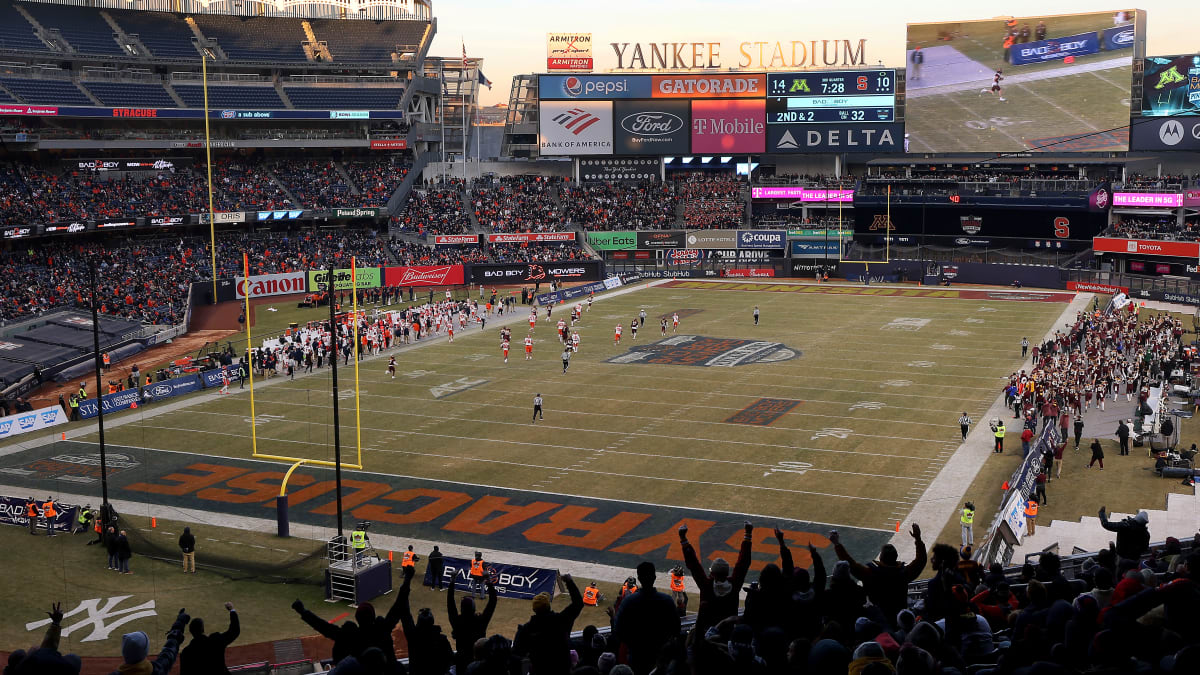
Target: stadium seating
{"points": [[621, 206], [167, 36], [132, 94], [226, 96], [5, 97], [48, 92], [82, 27], [268, 39], [16, 32], [435, 209], [376, 181], [327, 98], [518, 204], [368, 41], [316, 183]]}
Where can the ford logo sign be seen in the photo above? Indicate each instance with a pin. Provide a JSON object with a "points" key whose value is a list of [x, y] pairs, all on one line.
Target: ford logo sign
{"points": [[652, 123], [1125, 37], [963, 242], [162, 390]]}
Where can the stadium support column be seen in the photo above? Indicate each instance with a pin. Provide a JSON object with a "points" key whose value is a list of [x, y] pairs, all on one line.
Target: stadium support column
{"points": [[104, 507], [212, 225], [337, 427]]}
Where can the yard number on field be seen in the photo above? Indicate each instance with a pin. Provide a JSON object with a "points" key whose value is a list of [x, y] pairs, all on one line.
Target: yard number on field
{"points": [[868, 405], [832, 432], [789, 467]]}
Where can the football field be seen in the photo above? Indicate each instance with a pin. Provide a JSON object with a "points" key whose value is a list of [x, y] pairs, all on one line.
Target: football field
{"points": [[836, 411]]}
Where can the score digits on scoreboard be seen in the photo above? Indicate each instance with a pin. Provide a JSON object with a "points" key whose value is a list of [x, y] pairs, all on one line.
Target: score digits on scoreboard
{"points": [[831, 96]]}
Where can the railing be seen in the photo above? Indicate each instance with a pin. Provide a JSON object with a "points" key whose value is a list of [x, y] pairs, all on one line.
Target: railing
{"points": [[312, 9], [1142, 187], [1136, 283]]}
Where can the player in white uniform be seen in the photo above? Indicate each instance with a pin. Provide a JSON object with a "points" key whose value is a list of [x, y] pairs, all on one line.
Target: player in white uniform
{"points": [[529, 347], [224, 381], [675, 322], [617, 335], [504, 346], [996, 88], [575, 341]]}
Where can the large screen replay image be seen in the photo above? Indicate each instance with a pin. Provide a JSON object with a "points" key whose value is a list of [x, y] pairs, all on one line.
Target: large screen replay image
{"points": [[1019, 84], [1171, 86]]}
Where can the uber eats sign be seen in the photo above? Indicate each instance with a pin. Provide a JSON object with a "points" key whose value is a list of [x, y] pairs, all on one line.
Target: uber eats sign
{"points": [[612, 241]]}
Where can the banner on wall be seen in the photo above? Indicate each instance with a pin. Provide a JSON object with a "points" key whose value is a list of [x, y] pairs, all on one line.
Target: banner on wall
{"points": [[520, 273], [365, 277], [12, 512], [265, 285], [23, 423], [441, 275], [612, 241], [511, 581], [527, 237]]}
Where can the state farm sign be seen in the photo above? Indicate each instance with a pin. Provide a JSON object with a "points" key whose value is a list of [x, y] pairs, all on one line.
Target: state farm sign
{"points": [[270, 284], [523, 237]]}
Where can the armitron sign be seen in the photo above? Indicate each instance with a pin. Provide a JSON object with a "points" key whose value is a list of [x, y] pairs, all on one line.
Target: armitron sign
{"points": [[270, 284], [568, 51]]}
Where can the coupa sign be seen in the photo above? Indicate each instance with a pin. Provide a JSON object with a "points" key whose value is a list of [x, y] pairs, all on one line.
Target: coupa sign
{"points": [[761, 238], [270, 284]]}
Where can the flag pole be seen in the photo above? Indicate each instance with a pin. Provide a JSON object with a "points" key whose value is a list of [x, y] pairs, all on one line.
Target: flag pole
{"points": [[249, 358]]}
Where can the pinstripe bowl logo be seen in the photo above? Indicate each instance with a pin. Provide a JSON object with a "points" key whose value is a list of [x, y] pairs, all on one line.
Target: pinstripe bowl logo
{"points": [[698, 350]]}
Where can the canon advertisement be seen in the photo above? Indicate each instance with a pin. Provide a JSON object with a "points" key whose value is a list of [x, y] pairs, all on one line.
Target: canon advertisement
{"points": [[442, 275], [532, 273], [729, 126], [270, 284], [849, 137], [576, 128], [651, 127]]}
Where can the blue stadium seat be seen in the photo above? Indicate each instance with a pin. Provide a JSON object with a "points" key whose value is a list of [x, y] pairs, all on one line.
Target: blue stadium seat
{"points": [[361, 41], [16, 32], [131, 94], [255, 38], [223, 96], [5, 98], [326, 98], [83, 27], [46, 92], [166, 35]]}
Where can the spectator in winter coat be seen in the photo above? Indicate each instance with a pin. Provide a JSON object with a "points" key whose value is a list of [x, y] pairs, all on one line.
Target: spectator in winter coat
{"points": [[467, 626], [719, 589], [429, 651], [347, 639], [646, 621], [1133, 534], [546, 638], [886, 580], [136, 646], [205, 654]]}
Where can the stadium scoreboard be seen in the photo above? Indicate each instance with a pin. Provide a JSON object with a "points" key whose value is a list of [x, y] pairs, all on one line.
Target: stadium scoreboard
{"points": [[831, 96]]}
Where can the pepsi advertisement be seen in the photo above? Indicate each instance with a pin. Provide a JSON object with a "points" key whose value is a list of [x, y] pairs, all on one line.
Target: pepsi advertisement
{"points": [[607, 87]]}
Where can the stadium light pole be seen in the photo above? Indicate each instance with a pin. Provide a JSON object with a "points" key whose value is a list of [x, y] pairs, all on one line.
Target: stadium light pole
{"points": [[212, 225], [337, 427], [99, 397]]}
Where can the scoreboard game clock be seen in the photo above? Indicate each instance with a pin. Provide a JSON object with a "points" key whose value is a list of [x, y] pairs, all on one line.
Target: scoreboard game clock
{"points": [[831, 96]]}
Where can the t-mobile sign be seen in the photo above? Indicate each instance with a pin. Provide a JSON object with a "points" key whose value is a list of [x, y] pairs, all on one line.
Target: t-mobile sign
{"points": [[803, 194], [729, 127], [1169, 200]]}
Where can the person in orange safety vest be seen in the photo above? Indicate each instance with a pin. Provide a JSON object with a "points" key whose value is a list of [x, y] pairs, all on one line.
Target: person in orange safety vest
{"points": [[677, 590], [591, 595]]}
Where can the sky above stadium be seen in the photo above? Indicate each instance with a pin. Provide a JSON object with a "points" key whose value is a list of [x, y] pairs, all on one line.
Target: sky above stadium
{"points": [[511, 36]]}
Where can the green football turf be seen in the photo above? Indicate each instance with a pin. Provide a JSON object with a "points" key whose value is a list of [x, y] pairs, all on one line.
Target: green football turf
{"points": [[876, 416]]}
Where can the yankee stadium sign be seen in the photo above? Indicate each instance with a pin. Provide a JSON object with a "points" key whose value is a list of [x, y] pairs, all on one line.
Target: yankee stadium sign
{"points": [[750, 54]]}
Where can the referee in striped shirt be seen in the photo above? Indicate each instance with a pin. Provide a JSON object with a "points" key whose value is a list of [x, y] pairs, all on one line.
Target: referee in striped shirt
{"points": [[964, 423], [537, 407]]}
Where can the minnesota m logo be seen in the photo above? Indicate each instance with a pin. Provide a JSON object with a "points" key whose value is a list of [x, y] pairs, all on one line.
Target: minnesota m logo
{"points": [[881, 222]]}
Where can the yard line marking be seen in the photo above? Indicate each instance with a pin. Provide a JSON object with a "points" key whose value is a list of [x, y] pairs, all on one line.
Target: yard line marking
{"points": [[610, 450], [1061, 109]]}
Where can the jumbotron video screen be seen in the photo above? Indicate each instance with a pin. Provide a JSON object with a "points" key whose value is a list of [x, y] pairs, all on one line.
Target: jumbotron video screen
{"points": [[1019, 84]]}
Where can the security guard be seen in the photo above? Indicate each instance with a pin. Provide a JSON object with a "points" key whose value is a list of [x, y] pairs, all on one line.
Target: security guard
{"points": [[677, 590], [591, 595], [107, 361], [477, 575], [49, 513], [967, 519], [81, 521], [74, 403], [409, 559], [31, 514], [1031, 509], [998, 430], [82, 391], [358, 541]]}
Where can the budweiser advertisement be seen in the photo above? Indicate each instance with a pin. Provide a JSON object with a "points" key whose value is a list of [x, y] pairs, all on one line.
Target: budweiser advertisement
{"points": [[456, 240], [1088, 287], [526, 237], [443, 275], [1175, 249], [1160, 199], [750, 272], [270, 284]]}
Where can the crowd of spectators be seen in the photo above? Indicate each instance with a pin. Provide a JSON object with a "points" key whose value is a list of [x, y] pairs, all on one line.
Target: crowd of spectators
{"points": [[517, 203], [317, 183], [410, 254], [621, 206], [1144, 182], [435, 208], [711, 200], [1165, 228], [376, 181], [536, 252]]}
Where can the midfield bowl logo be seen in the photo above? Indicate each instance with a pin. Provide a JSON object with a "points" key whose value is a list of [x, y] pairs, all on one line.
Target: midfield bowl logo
{"points": [[971, 224], [698, 350]]}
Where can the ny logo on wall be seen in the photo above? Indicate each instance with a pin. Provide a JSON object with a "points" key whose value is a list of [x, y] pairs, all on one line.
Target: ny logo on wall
{"points": [[97, 615]]}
